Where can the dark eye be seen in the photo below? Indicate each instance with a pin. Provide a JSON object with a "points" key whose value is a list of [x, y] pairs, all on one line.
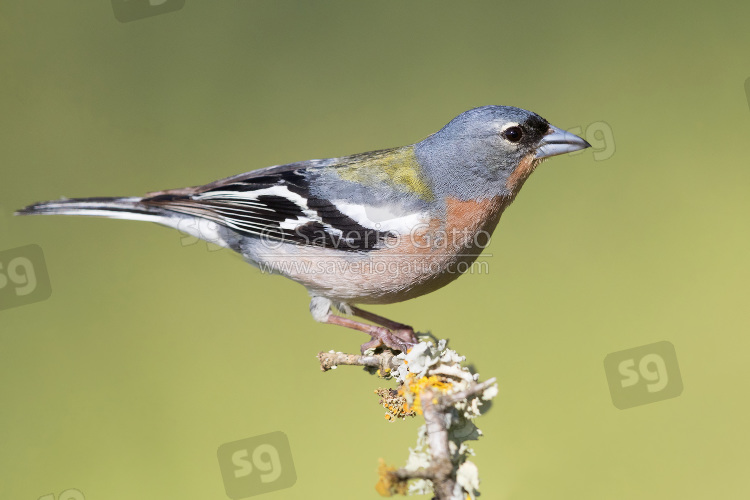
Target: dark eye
{"points": [[513, 134]]}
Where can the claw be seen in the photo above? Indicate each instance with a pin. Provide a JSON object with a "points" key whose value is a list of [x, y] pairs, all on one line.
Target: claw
{"points": [[395, 336], [407, 335], [391, 339]]}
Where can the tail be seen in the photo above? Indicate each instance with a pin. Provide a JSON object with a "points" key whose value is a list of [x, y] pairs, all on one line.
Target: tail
{"points": [[113, 208], [130, 209]]}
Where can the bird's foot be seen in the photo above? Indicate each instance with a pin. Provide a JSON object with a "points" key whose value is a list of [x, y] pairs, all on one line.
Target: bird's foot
{"points": [[391, 334], [397, 340]]}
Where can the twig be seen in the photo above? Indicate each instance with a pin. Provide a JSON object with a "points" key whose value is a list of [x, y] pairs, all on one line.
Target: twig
{"points": [[474, 390], [437, 436], [384, 361], [431, 386]]}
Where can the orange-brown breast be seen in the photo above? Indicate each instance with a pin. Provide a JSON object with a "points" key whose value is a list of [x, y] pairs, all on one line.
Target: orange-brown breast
{"points": [[474, 215], [463, 220]]}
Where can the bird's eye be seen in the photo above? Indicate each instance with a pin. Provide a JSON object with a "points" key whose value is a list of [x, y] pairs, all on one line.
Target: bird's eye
{"points": [[513, 134]]}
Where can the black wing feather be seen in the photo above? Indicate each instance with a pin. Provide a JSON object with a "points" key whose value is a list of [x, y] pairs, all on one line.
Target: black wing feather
{"points": [[240, 204]]}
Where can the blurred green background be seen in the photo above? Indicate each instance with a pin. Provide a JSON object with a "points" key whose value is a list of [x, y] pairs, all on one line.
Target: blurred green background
{"points": [[151, 353]]}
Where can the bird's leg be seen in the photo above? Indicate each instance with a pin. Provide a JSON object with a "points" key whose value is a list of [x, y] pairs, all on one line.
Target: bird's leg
{"points": [[380, 335], [404, 332], [401, 338]]}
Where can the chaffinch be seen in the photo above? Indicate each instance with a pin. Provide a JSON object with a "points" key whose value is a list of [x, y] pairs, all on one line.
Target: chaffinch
{"points": [[371, 228]]}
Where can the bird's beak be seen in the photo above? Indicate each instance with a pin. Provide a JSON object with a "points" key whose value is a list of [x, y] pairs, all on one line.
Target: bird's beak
{"points": [[557, 141]]}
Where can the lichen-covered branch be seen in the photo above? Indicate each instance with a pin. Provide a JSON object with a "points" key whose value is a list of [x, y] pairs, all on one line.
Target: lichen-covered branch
{"points": [[384, 361], [431, 383]]}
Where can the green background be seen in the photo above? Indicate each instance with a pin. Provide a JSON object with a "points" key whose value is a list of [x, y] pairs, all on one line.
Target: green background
{"points": [[150, 353]]}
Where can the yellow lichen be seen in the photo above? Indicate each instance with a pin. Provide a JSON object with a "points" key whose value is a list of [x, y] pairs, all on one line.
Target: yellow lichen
{"points": [[413, 388], [388, 484], [395, 403]]}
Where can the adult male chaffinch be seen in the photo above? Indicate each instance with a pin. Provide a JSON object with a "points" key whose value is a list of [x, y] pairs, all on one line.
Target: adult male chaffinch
{"points": [[372, 228]]}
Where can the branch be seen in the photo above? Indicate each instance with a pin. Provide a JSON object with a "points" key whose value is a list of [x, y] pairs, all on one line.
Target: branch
{"points": [[384, 361], [474, 390], [432, 383]]}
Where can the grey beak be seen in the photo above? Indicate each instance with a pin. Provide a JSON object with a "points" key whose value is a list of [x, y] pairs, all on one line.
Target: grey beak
{"points": [[558, 142]]}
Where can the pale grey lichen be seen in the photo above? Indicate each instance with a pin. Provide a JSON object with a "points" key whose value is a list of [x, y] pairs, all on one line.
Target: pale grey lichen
{"points": [[467, 478], [427, 360], [419, 458]]}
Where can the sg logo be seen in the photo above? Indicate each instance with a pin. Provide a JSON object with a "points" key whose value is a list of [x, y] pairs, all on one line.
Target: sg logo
{"points": [[23, 276], [643, 375], [132, 10], [256, 465], [601, 138], [71, 494]]}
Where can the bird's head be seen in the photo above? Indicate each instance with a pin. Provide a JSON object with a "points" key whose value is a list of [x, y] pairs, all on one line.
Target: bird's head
{"points": [[492, 149]]}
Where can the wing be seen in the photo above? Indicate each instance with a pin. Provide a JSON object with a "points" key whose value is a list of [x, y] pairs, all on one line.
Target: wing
{"points": [[274, 203]]}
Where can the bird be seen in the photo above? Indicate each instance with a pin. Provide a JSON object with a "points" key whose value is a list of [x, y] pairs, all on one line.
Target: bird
{"points": [[372, 228]]}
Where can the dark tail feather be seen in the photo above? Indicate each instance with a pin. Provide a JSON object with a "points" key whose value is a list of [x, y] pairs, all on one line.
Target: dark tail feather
{"points": [[115, 208], [130, 209]]}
